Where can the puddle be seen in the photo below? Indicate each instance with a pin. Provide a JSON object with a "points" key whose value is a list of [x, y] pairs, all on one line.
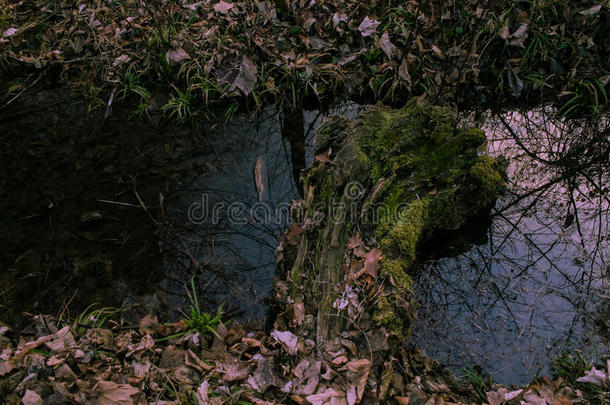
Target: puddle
{"points": [[228, 218], [539, 281]]}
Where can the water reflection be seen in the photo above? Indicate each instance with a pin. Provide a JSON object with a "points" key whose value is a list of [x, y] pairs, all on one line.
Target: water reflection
{"points": [[240, 194], [541, 282]]}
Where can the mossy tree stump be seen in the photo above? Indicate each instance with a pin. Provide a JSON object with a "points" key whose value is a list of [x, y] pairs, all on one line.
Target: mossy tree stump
{"points": [[380, 187]]}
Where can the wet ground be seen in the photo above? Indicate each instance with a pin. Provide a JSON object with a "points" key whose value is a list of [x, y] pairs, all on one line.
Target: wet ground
{"points": [[538, 282]]}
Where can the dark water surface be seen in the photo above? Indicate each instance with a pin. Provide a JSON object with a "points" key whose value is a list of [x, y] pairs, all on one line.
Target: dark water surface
{"points": [[539, 282]]}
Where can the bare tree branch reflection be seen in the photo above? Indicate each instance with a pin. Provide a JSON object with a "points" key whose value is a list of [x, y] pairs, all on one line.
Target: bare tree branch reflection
{"points": [[539, 283]]}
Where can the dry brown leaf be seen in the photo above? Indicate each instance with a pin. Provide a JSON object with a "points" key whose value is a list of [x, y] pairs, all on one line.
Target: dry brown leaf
{"points": [[288, 340], [111, 393], [329, 396], [148, 324], [175, 56], [387, 46], [246, 78], [233, 370], [402, 400], [368, 26], [324, 157], [223, 7], [293, 235], [371, 262], [61, 340]]}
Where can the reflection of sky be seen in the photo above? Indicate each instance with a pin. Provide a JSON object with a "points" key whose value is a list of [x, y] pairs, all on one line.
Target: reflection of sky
{"points": [[537, 286]]}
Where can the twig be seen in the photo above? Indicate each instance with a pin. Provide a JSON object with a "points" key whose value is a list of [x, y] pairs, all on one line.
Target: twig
{"points": [[119, 203], [22, 91]]}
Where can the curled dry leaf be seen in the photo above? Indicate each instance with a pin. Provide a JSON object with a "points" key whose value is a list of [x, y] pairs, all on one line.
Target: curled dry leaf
{"points": [[9, 32], [354, 240], [371, 262], [246, 78], [175, 56], [387, 46], [368, 26], [594, 376], [324, 157], [591, 11], [62, 340], [288, 340]]}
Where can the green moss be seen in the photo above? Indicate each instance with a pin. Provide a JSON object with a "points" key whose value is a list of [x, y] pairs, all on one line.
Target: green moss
{"points": [[398, 270], [433, 179], [486, 173], [405, 234], [327, 188], [384, 314], [296, 282]]}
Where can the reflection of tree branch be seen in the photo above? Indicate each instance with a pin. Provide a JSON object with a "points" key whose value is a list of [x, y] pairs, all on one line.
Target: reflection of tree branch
{"points": [[542, 253], [522, 145]]}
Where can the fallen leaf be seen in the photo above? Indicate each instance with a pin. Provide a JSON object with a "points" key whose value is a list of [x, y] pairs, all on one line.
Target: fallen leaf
{"points": [[264, 376], [175, 56], [387, 46], [121, 60], [31, 398], [111, 393], [148, 324], [360, 369], [368, 27], [591, 11], [514, 83], [308, 374], [330, 396], [519, 35], [338, 18], [403, 71], [324, 157], [61, 340], [293, 235], [9, 32], [371, 262], [287, 339], [402, 400], [247, 76], [223, 7], [233, 370], [202, 393], [593, 376], [354, 240]]}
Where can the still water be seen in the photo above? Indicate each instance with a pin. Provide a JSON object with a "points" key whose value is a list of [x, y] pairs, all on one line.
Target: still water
{"points": [[539, 282]]}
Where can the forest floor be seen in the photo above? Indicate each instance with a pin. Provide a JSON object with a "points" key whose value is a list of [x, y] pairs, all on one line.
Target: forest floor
{"points": [[204, 60]]}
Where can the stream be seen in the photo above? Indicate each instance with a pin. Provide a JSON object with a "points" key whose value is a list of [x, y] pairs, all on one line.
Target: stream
{"points": [[118, 212]]}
